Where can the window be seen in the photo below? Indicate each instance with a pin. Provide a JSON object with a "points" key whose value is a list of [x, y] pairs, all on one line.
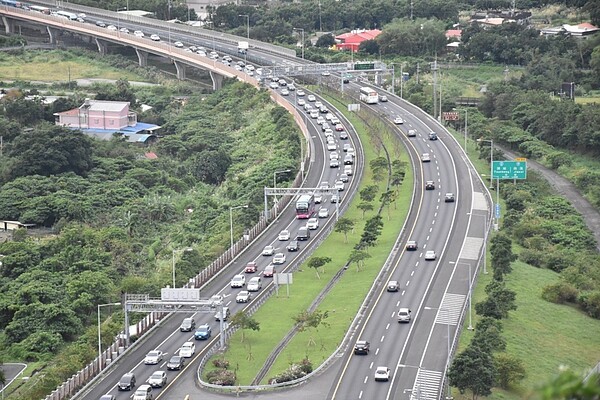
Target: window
{"points": [[111, 122]]}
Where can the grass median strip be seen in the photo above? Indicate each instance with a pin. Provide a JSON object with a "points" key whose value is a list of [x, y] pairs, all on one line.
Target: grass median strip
{"points": [[342, 303]]}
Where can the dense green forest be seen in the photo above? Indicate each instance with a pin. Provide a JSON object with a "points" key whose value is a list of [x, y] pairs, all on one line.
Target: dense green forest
{"points": [[117, 216]]}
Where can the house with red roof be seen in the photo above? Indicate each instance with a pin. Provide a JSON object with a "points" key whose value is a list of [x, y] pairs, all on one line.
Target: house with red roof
{"points": [[352, 40]]}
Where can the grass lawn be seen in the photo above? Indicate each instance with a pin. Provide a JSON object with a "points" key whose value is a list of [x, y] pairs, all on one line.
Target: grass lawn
{"points": [[57, 65], [275, 317]]}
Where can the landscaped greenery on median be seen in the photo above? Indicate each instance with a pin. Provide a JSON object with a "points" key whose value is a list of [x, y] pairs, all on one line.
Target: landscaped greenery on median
{"points": [[343, 301]]}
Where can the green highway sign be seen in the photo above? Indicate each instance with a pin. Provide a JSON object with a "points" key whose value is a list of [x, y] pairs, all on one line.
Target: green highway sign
{"points": [[364, 66], [509, 170]]}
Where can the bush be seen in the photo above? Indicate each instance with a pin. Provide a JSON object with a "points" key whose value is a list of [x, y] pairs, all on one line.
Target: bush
{"points": [[221, 377], [590, 302], [295, 371], [560, 293], [509, 370], [531, 257], [221, 363]]}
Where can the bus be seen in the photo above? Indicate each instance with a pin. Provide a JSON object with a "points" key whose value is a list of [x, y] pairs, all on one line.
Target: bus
{"points": [[11, 3], [305, 206], [67, 15], [369, 95], [43, 10]]}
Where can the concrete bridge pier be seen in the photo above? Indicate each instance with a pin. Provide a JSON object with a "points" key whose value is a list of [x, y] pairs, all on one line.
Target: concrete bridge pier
{"points": [[52, 34], [142, 57], [217, 80], [180, 67], [102, 46], [9, 24]]}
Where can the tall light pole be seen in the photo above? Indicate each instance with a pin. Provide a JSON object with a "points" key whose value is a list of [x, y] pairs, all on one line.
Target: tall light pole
{"points": [[247, 24], [448, 335], [231, 221], [174, 253], [285, 171], [466, 128], [302, 30], [99, 334]]}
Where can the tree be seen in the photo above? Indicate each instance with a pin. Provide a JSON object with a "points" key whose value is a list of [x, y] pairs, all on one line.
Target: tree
{"points": [[509, 370], [371, 233], [244, 321], [307, 320], [344, 225], [473, 370], [368, 193], [318, 262], [326, 40], [387, 198], [502, 255], [369, 46], [488, 335], [364, 207], [358, 257], [499, 302], [568, 385]]}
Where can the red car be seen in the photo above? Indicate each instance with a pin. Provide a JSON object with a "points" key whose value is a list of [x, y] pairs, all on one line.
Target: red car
{"points": [[250, 267], [269, 271], [339, 127]]}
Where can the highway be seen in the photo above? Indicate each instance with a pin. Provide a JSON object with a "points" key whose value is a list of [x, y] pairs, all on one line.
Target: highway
{"points": [[435, 291]]}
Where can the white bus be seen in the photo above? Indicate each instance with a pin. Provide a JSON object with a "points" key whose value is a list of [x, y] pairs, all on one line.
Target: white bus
{"points": [[67, 15], [43, 10], [369, 95]]}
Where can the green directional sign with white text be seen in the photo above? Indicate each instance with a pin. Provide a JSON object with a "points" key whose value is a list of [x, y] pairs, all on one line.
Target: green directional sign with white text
{"points": [[509, 170], [363, 66]]}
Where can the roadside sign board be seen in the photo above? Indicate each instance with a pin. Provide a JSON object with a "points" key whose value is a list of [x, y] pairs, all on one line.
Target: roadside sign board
{"points": [[450, 116], [497, 211], [520, 159], [509, 170]]}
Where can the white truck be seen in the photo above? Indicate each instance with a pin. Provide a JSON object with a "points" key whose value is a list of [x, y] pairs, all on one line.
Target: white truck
{"points": [[243, 47]]}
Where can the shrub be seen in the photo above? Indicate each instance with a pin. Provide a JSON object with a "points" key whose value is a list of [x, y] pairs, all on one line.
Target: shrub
{"points": [[221, 363], [590, 302], [221, 377], [295, 371], [531, 257], [509, 370], [560, 293]]}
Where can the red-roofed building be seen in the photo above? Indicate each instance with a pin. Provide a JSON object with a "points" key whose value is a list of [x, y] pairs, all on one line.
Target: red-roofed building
{"points": [[352, 40], [453, 34]]}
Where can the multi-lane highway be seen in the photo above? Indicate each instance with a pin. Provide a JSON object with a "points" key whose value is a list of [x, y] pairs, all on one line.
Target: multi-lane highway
{"points": [[436, 291]]}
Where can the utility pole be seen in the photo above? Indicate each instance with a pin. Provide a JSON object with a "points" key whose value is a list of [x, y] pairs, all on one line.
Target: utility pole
{"points": [[411, 10], [434, 69], [418, 68]]}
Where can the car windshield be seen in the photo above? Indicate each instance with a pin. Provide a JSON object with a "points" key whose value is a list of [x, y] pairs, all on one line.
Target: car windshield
{"points": [[202, 329]]}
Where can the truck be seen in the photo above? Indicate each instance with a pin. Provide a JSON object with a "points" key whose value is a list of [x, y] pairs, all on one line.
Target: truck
{"points": [[243, 47]]}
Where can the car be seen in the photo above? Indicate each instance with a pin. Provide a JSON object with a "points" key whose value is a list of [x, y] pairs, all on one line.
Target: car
{"points": [[412, 245], [430, 255], [346, 78], [383, 98], [335, 120], [335, 198], [187, 325], [155, 38], [300, 93], [339, 185], [323, 110], [334, 155], [144, 392], [291, 87], [398, 121], [325, 73], [268, 250], [433, 136], [411, 133], [243, 297], [344, 135], [112, 28], [449, 198], [312, 98], [153, 357], [158, 379], [269, 271], [320, 120], [335, 163], [339, 127], [279, 259], [108, 397], [323, 213], [214, 55], [203, 332], [254, 284], [187, 350], [382, 374], [312, 224], [124, 30], [331, 146], [314, 113], [282, 82], [329, 116], [361, 347], [284, 92], [318, 104], [201, 53], [346, 147], [222, 314], [325, 126], [101, 24], [393, 286], [328, 132], [238, 281], [344, 178], [284, 235], [273, 85], [403, 315], [293, 246], [308, 107], [127, 382], [176, 363], [425, 157], [251, 267], [348, 170], [348, 159], [301, 102], [178, 44], [215, 300], [318, 196], [429, 185], [351, 151]]}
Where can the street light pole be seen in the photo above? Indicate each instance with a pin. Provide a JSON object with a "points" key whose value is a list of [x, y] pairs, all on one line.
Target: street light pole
{"points": [[247, 24], [99, 333], [175, 251], [275, 185], [231, 221], [302, 30]]}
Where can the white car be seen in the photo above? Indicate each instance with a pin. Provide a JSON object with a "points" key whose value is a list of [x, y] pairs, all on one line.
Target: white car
{"points": [[320, 120], [138, 34], [301, 102], [158, 379], [284, 235], [328, 132], [144, 392], [425, 157], [350, 151], [268, 251], [300, 93], [187, 350], [112, 28], [430, 255], [348, 170], [382, 374], [331, 146], [312, 224], [279, 258], [153, 357], [243, 297], [178, 44], [238, 281], [254, 284], [323, 213], [339, 185], [273, 85], [334, 155], [155, 38], [398, 121], [318, 104], [124, 30], [311, 98], [216, 299], [284, 92], [403, 315]]}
